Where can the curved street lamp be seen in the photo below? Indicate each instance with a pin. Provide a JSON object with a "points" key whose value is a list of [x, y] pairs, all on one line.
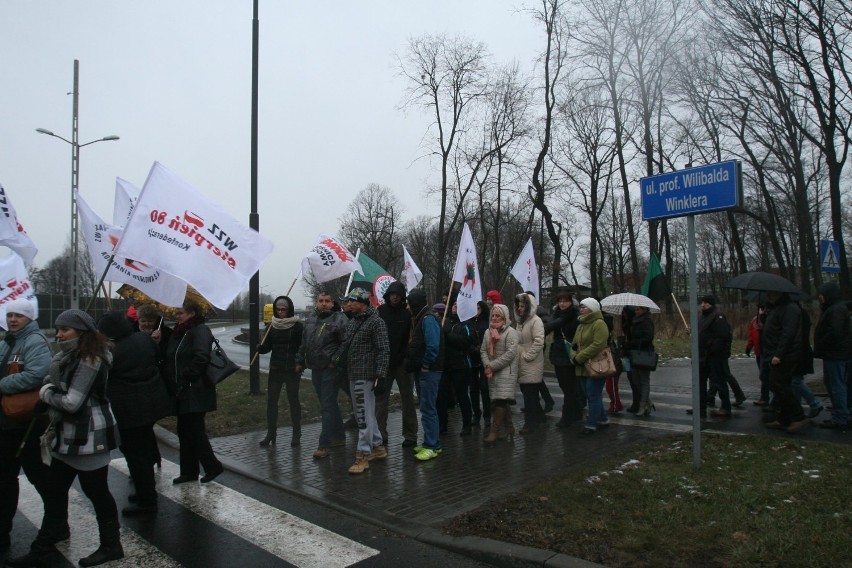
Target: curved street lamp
{"points": [[75, 173]]}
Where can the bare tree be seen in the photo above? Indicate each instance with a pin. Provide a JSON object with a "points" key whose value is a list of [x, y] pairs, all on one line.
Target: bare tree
{"points": [[372, 223]]}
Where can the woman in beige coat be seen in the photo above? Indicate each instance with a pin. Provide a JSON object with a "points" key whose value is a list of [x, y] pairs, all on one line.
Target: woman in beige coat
{"points": [[499, 352], [530, 359]]}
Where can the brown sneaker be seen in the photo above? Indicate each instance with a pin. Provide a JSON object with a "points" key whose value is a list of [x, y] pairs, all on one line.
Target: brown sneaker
{"points": [[378, 453], [361, 463], [321, 453]]}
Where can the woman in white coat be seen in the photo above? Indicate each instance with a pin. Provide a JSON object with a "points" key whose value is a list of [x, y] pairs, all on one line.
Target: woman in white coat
{"points": [[530, 359], [499, 352]]}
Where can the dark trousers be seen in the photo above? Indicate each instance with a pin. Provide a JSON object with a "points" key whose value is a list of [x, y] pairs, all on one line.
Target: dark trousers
{"points": [[712, 368], [459, 380], [277, 381], [10, 467], [533, 413], [781, 379], [572, 404], [479, 391], [139, 446], [545, 394], [194, 446], [59, 479]]}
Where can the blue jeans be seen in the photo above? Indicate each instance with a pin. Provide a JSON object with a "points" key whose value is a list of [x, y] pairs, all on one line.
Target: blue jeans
{"points": [[325, 383], [597, 415], [801, 390], [835, 373], [427, 392]]}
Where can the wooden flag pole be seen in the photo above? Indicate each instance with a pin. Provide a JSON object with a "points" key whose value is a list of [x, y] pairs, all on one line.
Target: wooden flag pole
{"points": [[290, 289], [447, 304], [677, 305]]}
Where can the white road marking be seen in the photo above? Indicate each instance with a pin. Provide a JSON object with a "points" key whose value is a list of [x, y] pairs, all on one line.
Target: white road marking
{"points": [[288, 537], [84, 540]]}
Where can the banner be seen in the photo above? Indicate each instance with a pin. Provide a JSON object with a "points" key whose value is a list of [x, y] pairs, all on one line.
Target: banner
{"points": [[410, 273], [14, 284], [12, 233], [329, 259], [126, 195], [656, 286], [467, 273], [178, 230], [371, 277], [525, 271], [101, 237]]}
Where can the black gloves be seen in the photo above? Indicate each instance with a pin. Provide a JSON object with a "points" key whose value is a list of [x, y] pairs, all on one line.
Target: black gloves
{"points": [[41, 407], [379, 387], [748, 352]]}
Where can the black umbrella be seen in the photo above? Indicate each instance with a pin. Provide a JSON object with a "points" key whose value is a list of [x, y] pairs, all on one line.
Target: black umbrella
{"points": [[762, 281]]}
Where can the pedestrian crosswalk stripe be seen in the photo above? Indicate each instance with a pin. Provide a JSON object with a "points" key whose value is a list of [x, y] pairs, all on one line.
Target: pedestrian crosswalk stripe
{"points": [[138, 552], [288, 537]]}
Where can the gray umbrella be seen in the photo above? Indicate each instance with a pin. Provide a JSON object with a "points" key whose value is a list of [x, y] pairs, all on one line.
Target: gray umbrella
{"points": [[762, 281]]}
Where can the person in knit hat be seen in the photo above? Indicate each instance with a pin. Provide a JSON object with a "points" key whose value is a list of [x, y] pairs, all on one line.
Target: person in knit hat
{"points": [[24, 362], [493, 297], [589, 340]]}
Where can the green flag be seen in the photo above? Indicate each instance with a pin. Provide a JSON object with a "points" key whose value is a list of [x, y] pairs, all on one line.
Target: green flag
{"points": [[374, 279], [656, 286]]}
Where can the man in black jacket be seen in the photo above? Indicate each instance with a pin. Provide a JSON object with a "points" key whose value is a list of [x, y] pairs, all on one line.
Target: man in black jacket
{"points": [[394, 312], [714, 348], [781, 342], [833, 343]]}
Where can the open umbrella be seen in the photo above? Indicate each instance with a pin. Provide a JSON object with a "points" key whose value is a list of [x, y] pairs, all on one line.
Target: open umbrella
{"points": [[615, 303], [762, 282], [137, 297]]}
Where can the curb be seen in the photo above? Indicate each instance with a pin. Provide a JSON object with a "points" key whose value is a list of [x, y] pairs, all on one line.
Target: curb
{"points": [[494, 552]]}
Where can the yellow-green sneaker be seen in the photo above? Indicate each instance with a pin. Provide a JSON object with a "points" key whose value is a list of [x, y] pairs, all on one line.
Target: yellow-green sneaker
{"points": [[427, 454], [418, 449]]}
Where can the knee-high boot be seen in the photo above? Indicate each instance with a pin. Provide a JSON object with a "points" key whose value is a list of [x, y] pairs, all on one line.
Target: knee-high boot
{"points": [[110, 548], [497, 416]]}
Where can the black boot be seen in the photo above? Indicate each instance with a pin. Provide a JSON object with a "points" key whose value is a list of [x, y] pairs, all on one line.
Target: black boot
{"points": [[297, 433], [269, 440], [110, 548]]}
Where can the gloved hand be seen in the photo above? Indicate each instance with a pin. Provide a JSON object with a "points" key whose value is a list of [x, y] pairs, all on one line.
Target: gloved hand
{"points": [[379, 387], [45, 389], [41, 407], [748, 352]]}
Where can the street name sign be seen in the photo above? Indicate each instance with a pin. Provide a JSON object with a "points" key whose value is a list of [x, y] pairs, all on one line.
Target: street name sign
{"points": [[703, 189]]}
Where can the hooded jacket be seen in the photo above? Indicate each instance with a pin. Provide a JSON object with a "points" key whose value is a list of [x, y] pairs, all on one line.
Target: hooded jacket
{"points": [[563, 324], [283, 343], [397, 319], [426, 347], [530, 341], [504, 362], [833, 333], [34, 355], [590, 339]]}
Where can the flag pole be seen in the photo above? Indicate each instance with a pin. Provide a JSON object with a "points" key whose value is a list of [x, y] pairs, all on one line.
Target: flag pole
{"points": [[290, 289], [100, 282], [447, 305], [352, 274], [677, 305]]}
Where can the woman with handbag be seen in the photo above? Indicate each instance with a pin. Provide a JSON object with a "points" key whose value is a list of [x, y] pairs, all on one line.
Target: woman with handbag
{"points": [[78, 442], [590, 340], [24, 362], [187, 357], [640, 348], [283, 338]]}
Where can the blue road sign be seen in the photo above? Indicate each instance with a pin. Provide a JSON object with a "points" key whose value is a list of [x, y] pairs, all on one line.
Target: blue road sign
{"points": [[695, 190], [829, 255]]}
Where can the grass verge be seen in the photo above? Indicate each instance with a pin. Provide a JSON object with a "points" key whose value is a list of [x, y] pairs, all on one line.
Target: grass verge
{"points": [[755, 501]]}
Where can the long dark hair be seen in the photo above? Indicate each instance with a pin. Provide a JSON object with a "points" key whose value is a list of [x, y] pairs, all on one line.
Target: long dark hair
{"points": [[92, 344]]}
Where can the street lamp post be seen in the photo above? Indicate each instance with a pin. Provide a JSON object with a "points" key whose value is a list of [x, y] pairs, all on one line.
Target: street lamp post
{"points": [[75, 173]]}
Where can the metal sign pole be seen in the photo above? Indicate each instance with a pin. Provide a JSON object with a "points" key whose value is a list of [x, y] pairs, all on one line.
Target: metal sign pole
{"points": [[693, 326]]}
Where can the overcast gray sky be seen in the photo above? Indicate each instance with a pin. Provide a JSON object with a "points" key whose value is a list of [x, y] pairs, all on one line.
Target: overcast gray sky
{"points": [[173, 80]]}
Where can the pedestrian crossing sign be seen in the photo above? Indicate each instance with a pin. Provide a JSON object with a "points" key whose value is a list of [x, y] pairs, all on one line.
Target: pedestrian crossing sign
{"points": [[829, 254]]}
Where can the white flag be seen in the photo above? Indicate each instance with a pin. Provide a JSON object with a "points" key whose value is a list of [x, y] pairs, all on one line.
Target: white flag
{"points": [[126, 195], [14, 284], [525, 271], [329, 259], [410, 273], [467, 273], [101, 237], [12, 233], [175, 228]]}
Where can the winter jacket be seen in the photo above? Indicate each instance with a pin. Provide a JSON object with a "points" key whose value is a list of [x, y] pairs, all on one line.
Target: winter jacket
{"points": [[641, 333], [365, 347], [136, 391], [833, 333], [563, 324], [504, 362], [397, 319], [321, 338], [34, 355], [714, 334], [530, 330], [461, 344], [79, 408], [590, 339], [426, 347], [755, 326], [480, 325], [782, 333], [188, 357], [284, 344]]}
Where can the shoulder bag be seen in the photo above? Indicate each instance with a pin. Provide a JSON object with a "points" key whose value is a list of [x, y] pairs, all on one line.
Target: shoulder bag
{"points": [[643, 359], [20, 405], [601, 365], [220, 367]]}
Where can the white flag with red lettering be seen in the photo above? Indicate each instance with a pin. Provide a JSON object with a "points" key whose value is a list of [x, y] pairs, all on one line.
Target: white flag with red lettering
{"points": [[12, 233], [101, 238], [126, 195], [410, 272], [525, 271], [14, 284], [176, 228], [467, 273], [329, 259]]}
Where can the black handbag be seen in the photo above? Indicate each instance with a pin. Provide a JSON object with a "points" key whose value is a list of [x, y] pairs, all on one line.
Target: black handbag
{"points": [[220, 367], [642, 359]]}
